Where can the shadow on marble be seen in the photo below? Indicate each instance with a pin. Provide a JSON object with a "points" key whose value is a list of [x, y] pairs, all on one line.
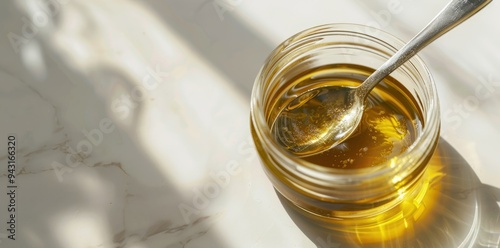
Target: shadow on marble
{"points": [[122, 193], [466, 213], [116, 194], [117, 190], [212, 30]]}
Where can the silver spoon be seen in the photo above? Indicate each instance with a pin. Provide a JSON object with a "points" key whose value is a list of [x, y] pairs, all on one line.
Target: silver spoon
{"points": [[343, 107]]}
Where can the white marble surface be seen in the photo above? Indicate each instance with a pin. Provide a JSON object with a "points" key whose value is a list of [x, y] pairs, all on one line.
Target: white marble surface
{"points": [[132, 117]]}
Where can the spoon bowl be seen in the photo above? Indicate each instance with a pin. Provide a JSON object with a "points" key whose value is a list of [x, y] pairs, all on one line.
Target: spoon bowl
{"points": [[299, 129]]}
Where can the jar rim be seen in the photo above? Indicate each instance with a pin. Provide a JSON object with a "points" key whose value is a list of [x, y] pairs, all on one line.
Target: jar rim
{"points": [[321, 174]]}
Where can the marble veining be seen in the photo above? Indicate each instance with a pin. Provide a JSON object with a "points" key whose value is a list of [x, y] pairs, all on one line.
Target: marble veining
{"points": [[131, 117]]}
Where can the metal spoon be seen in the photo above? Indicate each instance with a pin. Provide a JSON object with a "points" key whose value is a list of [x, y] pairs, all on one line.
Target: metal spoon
{"points": [[342, 107]]}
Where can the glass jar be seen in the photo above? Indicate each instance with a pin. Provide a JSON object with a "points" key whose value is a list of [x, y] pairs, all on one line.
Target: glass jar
{"points": [[361, 206]]}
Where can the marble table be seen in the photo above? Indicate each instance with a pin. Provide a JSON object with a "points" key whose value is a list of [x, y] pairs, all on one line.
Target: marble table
{"points": [[131, 118]]}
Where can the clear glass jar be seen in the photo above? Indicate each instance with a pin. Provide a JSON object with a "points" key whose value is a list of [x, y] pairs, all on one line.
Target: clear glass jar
{"points": [[361, 206]]}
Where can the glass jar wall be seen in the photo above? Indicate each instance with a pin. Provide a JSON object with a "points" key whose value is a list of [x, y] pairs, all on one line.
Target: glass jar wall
{"points": [[371, 198]]}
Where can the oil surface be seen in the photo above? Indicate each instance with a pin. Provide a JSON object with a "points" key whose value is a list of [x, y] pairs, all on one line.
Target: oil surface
{"points": [[390, 124]]}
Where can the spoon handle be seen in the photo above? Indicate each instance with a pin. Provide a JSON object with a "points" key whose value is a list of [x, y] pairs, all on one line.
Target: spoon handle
{"points": [[453, 14]]}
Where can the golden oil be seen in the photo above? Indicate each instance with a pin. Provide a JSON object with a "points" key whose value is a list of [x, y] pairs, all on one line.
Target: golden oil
{"points": [[377, 188], [390, 124], [445, 210]]}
